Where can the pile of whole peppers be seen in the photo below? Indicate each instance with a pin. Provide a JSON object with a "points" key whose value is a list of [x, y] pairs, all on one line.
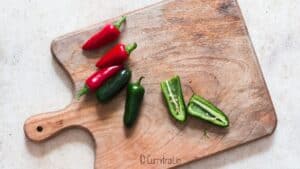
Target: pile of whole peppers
{"points": [[112, 77]]}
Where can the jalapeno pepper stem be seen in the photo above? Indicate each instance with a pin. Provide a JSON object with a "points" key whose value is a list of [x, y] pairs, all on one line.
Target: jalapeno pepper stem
{"points": [[140, 79], [118, 23], [126, 66], [82, 92], [129, 48]]}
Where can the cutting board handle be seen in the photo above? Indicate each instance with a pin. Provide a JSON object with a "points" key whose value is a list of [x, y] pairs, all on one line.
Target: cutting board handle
{"points": [[42, 126]]}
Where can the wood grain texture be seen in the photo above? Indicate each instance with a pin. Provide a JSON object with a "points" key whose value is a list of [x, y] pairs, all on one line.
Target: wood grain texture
{"points": [[207, 44]]}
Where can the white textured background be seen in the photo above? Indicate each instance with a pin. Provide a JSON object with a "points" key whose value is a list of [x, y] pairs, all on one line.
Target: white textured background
{"points": [[31, 82]]}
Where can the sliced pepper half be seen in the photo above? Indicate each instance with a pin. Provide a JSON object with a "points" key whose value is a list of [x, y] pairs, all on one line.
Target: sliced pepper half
{"points": [[205, 110], [172, 92]]}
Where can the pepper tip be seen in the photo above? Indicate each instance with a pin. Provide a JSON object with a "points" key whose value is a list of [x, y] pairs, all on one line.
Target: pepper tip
{"points": [[82, 92]]}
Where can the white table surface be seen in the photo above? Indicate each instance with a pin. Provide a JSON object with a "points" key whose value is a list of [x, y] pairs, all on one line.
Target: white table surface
{"points": [[31, 82]]}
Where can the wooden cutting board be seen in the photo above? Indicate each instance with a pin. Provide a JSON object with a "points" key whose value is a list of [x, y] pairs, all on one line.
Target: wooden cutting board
{"points": [[206, 43]]}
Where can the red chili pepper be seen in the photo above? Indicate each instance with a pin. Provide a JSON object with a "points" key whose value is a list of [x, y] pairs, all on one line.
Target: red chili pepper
{"points": [[116, 56], [107, 34], [98, 78]]}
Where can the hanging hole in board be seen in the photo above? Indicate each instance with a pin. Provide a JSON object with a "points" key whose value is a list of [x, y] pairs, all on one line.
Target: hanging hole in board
{"points": [[39, 128]]}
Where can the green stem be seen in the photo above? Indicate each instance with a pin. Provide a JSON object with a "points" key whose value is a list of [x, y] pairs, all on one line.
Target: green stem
{"points": [[130, 47], [126, 66], [82, 92], [140, 79], [118, 23]]}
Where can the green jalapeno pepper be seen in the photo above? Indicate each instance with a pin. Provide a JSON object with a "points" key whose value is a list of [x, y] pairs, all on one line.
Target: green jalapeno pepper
{"points": [[113, 86], [205, 110], [134, 98], [172, 92]]}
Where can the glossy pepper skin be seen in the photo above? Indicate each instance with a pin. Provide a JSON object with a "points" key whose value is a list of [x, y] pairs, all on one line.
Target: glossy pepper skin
{"points": [[95, 81], [113, 85], [205, 110], [134, 98], [107, 34], [172, 93], [116, 56]]}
